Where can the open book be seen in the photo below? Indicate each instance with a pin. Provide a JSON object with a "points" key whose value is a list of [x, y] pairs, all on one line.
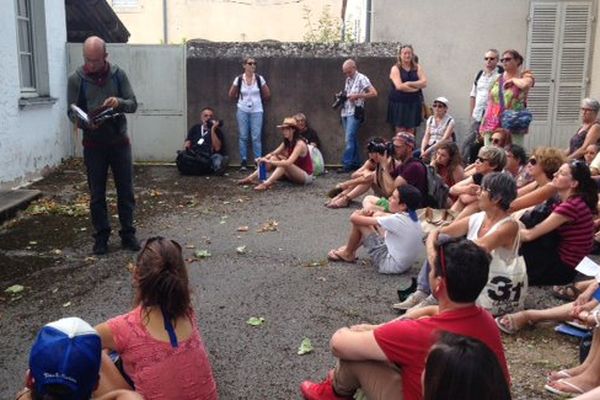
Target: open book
{"points": [[95, 117]]}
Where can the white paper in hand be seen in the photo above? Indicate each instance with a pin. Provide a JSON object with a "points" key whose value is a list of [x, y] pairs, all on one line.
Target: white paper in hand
{"points": [[588, 267], [82, 115]]}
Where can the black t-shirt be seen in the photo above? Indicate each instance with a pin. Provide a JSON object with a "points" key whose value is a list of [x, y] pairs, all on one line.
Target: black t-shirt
{"points": [[311, 136], [197, 132]]}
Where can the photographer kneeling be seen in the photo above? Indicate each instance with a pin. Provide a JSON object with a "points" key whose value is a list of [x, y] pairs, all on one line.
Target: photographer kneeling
{"points": [[203, 150]]}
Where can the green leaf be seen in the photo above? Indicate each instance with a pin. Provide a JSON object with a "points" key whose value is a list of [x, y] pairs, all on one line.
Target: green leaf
{"points": [[14, 289], [240, 249], [255, 321], [202, 253], [305, 347]]}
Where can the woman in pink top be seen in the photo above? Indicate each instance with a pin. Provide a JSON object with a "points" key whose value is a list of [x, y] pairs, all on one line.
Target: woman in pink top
{"points": [[159, 340]]}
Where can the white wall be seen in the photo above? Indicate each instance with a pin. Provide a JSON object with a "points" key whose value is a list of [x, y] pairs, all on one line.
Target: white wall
{"points": [[450, 38], [32, 140]]}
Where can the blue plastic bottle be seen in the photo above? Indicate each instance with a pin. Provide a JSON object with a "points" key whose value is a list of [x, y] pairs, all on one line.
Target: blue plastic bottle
{"points": [[262, 171]]}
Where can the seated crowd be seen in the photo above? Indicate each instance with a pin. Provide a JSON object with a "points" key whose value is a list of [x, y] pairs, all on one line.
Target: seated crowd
{"points": [[509, 221]]}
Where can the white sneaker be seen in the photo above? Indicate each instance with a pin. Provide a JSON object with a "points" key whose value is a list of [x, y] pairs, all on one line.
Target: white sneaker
{"points": [[411, 301], [426, 302]]}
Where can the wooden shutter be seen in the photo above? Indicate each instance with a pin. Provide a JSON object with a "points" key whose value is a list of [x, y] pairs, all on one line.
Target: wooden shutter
{"points": [[574, 45], [543, 36]]}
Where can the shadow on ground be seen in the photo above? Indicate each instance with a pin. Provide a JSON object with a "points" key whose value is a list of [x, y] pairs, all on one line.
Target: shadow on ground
{"points": [[280, 275]]}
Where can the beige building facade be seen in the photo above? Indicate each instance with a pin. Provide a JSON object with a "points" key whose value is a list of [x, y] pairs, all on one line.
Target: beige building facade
{"points": [[149, 21]]}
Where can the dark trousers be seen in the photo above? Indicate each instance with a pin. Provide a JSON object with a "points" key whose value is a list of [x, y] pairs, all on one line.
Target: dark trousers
{"points": [[97, 161], [544, 266]]}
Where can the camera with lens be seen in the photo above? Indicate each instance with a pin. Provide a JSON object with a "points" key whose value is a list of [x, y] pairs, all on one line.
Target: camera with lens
{"points": [[376, 147], [339, 99], [211, 122]]}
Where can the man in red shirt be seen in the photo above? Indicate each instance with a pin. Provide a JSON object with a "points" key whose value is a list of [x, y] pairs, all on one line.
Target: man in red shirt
{"points": [[386, 361]]}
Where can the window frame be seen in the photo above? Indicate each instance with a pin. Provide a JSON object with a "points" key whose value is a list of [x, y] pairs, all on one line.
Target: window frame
{"points": [[39, 50]]}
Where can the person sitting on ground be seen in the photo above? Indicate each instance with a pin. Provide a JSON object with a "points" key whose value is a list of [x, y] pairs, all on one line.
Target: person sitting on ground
{"points": [[492, 229], [307, 131], [588, 133], [291, 160], [500, 138], [64, 363], [392, 241], [572, 220], [490, 159], [366, 177], [584, 377], [448, 163], [516, 164], [460, 367], [386, 361], [206, 138], [399, 170], [159, 340], [439, 128], [542, 165]]}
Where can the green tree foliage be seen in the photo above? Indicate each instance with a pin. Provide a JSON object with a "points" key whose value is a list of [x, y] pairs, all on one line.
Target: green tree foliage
{"points": [[327, 29]]}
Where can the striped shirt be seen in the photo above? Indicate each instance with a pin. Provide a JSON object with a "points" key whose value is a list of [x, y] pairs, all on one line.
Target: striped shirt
{"points": [[577, 234]]}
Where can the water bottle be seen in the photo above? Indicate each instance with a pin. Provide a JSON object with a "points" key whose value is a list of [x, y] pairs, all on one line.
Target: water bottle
{"points": [[262, 171]]}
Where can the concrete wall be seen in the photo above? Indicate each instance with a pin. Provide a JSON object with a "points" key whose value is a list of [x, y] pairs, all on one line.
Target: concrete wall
{"points": [[37, 138], [301, 77], [241, 21], [450, 38]]}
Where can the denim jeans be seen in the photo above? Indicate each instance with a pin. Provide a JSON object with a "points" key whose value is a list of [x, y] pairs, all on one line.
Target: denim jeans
{"points": [[219, 161], [351, 158], [97, 161], [250, 124], [423, 278]]}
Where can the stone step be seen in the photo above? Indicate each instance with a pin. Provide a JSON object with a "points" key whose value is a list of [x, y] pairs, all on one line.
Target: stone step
{"points": [[13, 200]]}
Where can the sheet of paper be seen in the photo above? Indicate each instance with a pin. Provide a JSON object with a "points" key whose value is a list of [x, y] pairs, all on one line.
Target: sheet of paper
{"points": [[588, 267], [80, 113]]}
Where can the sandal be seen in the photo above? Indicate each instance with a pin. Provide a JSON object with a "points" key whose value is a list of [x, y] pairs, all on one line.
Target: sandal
{"points": [[341, 202], [508, 325], [575, 390], [567, 292], [334, 255], [334, 192], [558, 375]]}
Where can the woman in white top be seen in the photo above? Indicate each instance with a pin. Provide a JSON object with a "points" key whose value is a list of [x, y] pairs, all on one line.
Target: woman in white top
{"points": [[250, 90], [439, 128]]}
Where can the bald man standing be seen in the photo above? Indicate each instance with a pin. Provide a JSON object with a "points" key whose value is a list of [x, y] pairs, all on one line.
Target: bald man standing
{"points": [[95, 85], [358, 88]]}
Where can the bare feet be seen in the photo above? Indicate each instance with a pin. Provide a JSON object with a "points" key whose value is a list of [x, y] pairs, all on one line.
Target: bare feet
{"points": [[262, 187]]}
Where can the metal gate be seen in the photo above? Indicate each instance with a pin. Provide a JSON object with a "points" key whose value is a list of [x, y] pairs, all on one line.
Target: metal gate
{"points": [[157, 75]]}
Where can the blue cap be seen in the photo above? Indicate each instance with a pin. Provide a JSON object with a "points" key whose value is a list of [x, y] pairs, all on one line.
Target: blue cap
{"points": [[67, 354]]}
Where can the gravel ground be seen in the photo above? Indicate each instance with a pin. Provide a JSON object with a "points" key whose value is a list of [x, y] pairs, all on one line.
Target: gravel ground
{"points": [[282, 276]]}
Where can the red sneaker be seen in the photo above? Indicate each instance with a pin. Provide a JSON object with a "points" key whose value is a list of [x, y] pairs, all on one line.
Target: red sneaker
{"points": [[320, 391]]}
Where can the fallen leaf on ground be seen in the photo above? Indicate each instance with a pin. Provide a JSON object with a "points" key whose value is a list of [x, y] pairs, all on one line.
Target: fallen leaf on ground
{"points": [[54, 290], [57, 251], [226, 202], [269, 226], [222, 221], [242, 228], [67, 304], [202, 253], [190, 246], [240, 249], [89, 258], [255, 321], [14, 289], [239, 201], [33, 242], [305, 347], [130, 266]]}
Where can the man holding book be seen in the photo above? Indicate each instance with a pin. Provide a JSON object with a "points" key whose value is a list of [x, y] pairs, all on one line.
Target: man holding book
{"points": [[100, 88]]}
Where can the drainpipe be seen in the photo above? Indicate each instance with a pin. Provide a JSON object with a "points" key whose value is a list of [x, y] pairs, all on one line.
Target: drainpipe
{"points": [[165, 19], [369, 15]]}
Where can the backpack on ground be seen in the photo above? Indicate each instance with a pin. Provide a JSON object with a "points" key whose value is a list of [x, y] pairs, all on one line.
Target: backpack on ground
{"points": [[437, 190], [194, 162]]}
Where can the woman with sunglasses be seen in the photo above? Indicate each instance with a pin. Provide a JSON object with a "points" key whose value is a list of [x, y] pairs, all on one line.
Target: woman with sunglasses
{"points": [[589, 131], [405, 101], [159, 340], [439, 129], [572, 220], [542, 165], [290, 160], [250, 90], [515, 85]]}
